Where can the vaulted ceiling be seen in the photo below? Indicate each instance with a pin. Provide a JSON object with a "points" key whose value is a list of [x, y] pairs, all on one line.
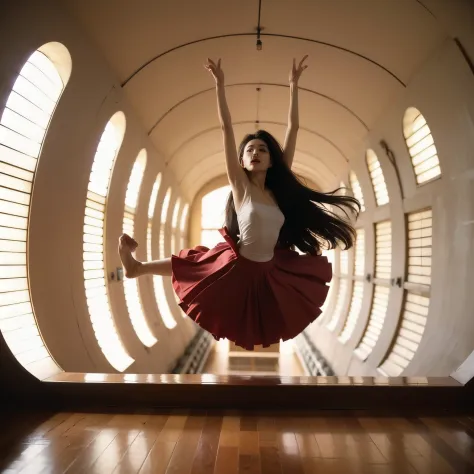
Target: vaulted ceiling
{"points": [[362, 53]]}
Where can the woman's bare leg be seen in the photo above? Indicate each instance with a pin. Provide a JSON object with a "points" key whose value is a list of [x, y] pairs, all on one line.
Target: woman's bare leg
{"points": [[133, 268], [156, 267]]}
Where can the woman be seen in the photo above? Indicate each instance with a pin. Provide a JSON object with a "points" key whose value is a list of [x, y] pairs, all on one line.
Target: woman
{"points": [[254, 288]]}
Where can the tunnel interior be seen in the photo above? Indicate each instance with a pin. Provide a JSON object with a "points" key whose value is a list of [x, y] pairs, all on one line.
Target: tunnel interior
{"points": [[109, 125]]}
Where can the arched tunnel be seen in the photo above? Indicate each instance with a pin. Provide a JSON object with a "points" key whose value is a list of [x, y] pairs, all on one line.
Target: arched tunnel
{"points": [[109, 124]]}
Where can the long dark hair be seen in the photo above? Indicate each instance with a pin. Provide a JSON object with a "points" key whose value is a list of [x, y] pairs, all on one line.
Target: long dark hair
{"points": [[309, 224]]}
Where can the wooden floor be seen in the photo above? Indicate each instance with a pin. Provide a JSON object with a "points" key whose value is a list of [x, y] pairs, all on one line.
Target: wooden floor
{"points": [[227, 443]]}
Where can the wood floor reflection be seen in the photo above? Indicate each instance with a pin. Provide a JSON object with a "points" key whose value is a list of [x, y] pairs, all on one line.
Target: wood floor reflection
{"points": [[229, 443]]}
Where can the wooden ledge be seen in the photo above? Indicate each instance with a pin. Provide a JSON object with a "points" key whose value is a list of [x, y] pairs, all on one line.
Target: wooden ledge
{"points": [[232, 380], [83, 392]]}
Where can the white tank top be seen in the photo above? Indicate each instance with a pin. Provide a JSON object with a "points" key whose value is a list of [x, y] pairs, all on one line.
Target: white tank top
{"points": [[260, 226]]}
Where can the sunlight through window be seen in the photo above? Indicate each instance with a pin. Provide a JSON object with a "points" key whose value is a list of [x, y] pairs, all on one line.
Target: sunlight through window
{"points": [[151, 213], [174, 227], [342, 275], [357, 190], [158, 282], [329, 254], [383, 265], [417, 294], [183, 226], [377, 178], [213, 215], [420, 143], [357, 289], [23, 126], [95, 277], [132, 297]]}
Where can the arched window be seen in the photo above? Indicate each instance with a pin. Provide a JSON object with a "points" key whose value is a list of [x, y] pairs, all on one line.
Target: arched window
{"points": [[357, 190], [212, 216], [383, 266], [343, 279], [377, 178], [417, 289], [94, 269], [23, 127], [357, 288], [343, 191], [132, 297], [332, 287], [420, 143], [174, 227], [158, 283], [183, 226], [151, 213]]}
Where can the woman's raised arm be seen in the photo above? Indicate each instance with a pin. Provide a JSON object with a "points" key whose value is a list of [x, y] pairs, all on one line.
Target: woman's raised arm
{"points": [[293, 114], [235, 173]]}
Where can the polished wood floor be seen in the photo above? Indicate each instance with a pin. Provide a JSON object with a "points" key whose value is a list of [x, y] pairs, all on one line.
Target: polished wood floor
{"points": [[229, 443]]}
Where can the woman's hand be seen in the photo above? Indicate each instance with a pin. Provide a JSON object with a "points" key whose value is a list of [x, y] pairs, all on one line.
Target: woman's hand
{"points": [[296, 72], [215, 70]]}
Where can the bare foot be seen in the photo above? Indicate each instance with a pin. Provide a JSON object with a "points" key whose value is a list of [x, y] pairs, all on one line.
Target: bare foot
{"points": [[126, 246]]}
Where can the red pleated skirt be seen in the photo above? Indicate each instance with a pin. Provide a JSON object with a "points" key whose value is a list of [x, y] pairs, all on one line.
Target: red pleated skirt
{"points": [[250, 303]]}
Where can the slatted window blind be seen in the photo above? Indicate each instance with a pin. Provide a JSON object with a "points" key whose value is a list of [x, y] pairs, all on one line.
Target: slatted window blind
{"points": [[377, 178], [344, 262], [158, 282], [132, 297], [151, 214], [357, 190], [383, 249], [420, 230], [376, 320], [420, 143], [23, 127], [383, 259], [359, 269], [354, 311], [416, 305], [332, 287], [341, 296], [94, 270], [357, 289], [342, 291], [410, 332], [175, 238]]}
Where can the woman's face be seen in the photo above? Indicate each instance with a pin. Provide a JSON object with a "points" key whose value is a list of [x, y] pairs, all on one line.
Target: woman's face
{"points": [[256, 156]]}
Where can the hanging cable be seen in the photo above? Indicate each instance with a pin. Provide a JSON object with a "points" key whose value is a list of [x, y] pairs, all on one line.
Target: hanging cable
{"points": [[257, 120], [259, 41]]}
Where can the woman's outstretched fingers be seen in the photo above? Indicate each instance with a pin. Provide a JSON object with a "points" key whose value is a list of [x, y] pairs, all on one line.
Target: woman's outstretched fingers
{"points": [[301, 68], [295, 72], [215, 70], [302, 61]]}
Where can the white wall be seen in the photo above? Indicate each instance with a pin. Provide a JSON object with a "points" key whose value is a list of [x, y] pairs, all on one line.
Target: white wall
{"points": [[443, 91], [91, 97]]}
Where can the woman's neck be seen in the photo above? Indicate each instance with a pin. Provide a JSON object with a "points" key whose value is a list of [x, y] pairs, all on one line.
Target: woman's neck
{"points": [[258, 180]]}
